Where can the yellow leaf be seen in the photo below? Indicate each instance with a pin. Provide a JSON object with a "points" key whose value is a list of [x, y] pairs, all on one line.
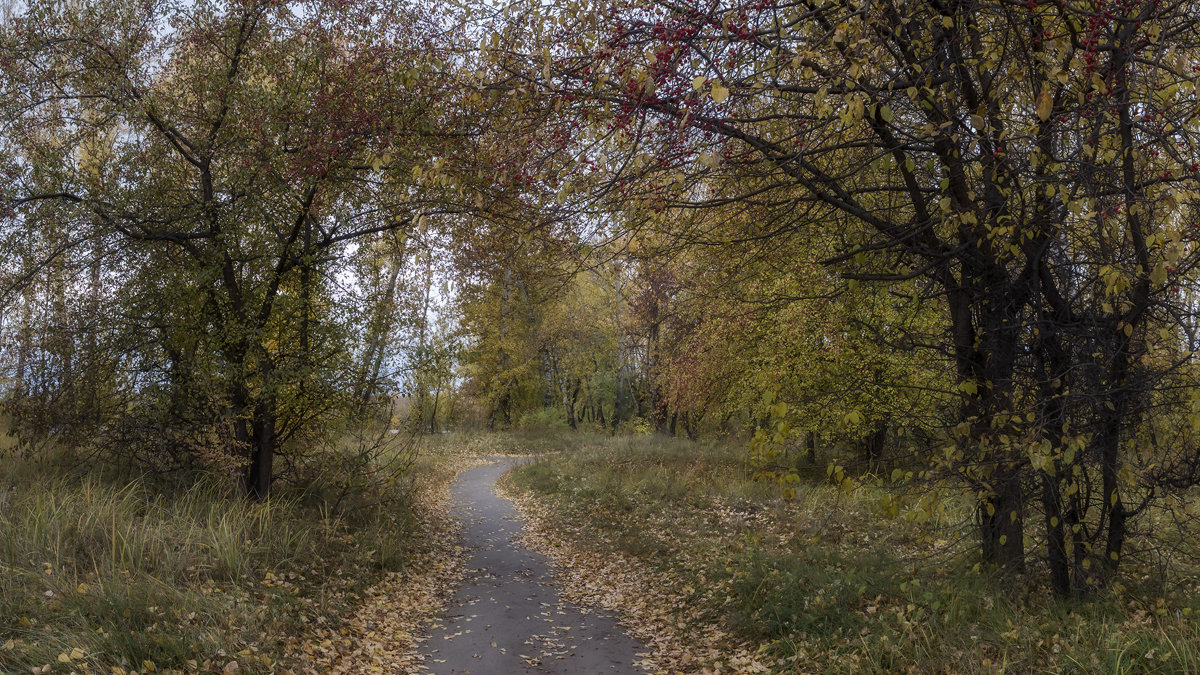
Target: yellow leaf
{"points": [[856, 108], [698, 82], [63, 658], [1159, 275], [885, 114], [1045, 105], [719, 93]]}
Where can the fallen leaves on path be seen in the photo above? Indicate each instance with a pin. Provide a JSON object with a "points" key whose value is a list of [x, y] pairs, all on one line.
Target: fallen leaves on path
{"points": [[383, 635], [650, 604]]}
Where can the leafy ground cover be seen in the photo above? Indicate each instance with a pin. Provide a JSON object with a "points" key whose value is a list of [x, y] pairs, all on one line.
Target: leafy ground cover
{"points": [[720, 573], [130, 576]]}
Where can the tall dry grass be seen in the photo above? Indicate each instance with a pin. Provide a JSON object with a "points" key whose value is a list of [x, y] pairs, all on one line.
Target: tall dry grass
{"points": [[101, 574]]}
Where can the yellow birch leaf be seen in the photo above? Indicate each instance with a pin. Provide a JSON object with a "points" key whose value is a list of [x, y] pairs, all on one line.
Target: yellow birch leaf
{"points": [[1159, 275], [1045, 105]]}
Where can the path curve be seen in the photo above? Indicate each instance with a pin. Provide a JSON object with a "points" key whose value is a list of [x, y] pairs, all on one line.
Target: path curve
{"points": [[507, 618]]}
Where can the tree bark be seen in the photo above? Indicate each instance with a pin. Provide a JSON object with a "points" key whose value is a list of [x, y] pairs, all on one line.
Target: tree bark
{"points": [[259, 473]]}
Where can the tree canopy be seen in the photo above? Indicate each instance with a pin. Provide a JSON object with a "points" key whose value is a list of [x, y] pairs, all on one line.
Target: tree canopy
{"points": [[951, 245]]}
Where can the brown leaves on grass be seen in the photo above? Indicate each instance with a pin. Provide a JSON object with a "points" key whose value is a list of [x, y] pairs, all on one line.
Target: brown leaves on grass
{"points": [[654, 607], [383, 634]]}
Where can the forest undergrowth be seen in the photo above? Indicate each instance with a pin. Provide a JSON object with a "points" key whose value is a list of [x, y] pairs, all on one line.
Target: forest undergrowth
{"points": [[725, 574]]}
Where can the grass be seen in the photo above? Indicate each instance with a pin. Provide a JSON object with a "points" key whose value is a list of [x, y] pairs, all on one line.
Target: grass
{"points": [[104, 575], [99, 571], [824, 583], [436, 448]]}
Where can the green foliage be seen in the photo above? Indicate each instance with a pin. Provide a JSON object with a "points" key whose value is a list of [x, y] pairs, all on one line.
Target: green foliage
{"points": [[778, 594], [544, 419]]}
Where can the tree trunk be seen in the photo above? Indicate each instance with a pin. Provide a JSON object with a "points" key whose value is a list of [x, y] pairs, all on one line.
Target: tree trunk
{"points": [[1057, 369], [569, 402], [1056, 547], [617, 407], [872, 446], [1002, 521], [985, 357], [1113, 511], [547, 378], [262, 457], [433, 423]]}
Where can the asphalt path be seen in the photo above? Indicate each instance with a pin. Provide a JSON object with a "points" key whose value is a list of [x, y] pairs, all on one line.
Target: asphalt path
{"points": [[507, 617]]}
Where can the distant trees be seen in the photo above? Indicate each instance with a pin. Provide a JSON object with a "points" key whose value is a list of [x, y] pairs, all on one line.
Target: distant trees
{"points": [[552, 337]]}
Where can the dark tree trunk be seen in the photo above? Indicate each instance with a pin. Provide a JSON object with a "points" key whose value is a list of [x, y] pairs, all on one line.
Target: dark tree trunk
{"points": [[262, 457], [617, 406], [1113, 509], [986, 359], [872, 446], [433, 423], [1057, 368], [1002, 521], [570, 400], [1056, 546]]}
